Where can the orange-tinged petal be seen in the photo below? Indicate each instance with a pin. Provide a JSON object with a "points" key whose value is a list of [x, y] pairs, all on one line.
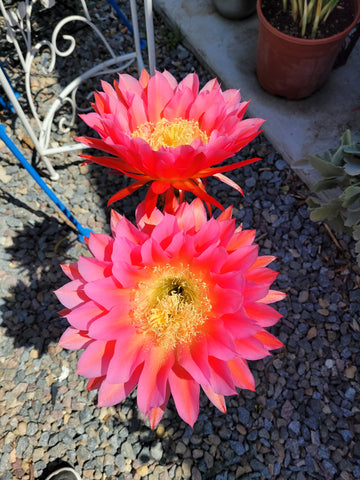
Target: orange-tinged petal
{"points": [[71, 270], [185, 392], [216, 399], [273, 296], [159, 92], [241, 374], [267, 339]]}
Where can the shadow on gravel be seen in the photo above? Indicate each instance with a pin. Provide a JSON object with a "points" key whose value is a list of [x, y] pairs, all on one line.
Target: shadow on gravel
{"points": [[29, 309]]}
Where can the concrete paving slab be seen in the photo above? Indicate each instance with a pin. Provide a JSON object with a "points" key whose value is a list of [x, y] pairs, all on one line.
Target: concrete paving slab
{"points": [[295, 128]]}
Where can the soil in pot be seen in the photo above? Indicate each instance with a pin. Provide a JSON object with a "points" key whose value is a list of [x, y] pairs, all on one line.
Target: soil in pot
{"points": [[339, 19]]}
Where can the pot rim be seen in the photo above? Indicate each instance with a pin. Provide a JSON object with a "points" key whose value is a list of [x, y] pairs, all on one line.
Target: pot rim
{"points": [[309, 41]]}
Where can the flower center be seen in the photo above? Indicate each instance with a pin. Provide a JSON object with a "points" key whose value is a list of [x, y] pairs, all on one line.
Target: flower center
{"points": [[171, 306], [170, 133]]}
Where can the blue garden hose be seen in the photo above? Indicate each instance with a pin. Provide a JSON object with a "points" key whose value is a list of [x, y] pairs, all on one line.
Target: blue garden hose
{"points": [[83, 232], [4, 103], [116, 7]]}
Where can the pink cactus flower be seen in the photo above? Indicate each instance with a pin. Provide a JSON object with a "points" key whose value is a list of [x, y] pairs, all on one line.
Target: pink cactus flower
{"points": [[169, 134], [178, 303]]}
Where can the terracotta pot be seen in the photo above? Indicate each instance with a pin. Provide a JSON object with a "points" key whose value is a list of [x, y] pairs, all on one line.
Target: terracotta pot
{"points": [[293, 67]]}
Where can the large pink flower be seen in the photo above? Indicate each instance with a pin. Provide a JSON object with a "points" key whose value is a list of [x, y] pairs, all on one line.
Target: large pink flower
{"points": [[168, 133], [177, 303]]}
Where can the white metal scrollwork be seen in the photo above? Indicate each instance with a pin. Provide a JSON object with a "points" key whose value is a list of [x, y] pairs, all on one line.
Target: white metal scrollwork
{"points": [[17, 22]]}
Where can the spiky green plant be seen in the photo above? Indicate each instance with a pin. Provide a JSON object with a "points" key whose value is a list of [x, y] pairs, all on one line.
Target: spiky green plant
{"points": [[310, 12], [340, 170]]}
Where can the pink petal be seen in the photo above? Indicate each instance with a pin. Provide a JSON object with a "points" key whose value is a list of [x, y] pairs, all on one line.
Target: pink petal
{"points": [[128, 275], [241, 259], [113, 324], [265, 315], [100, 245], [95, 359], [170, 78], [267, 339], [153, 379], [114, 220], [95, 383], [107, 292], [130, 352], [112, 394], [225, 300], [185, 392], [127, 87], [233, 280], [146, 223], [221, 381], [239, 324], [159, 93], [152, 253], [241, 374], [93, 269], [195, 361], [254, 292], [137, 112], [240, 239], [251, 348], [272, 296], [261, 275], [210, 85], [191, 217], [82, 316], [156, 414], [125, 229], [71, 270], [220, 342], [216, 399], [179, 105], [208, 235], [74, 339], [71, 294], [165, 231]]}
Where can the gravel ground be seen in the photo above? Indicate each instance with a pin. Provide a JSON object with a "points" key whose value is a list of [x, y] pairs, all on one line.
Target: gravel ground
{"points": [[303, 421]]}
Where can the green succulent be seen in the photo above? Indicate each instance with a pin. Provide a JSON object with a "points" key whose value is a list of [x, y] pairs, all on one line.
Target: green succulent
{"points": [[340, 169]]}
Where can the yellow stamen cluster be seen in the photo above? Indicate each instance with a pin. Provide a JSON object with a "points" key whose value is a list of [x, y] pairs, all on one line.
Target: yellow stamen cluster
{"points": [[171, 306], [170, 133]]}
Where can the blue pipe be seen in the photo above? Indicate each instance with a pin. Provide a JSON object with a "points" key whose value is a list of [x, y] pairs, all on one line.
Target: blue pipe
{"points": [[4, 103], [116, 7], [84, 232]]}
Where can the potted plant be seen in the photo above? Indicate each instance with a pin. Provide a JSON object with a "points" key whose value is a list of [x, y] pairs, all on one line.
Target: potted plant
{"points": [[299, 41]]}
